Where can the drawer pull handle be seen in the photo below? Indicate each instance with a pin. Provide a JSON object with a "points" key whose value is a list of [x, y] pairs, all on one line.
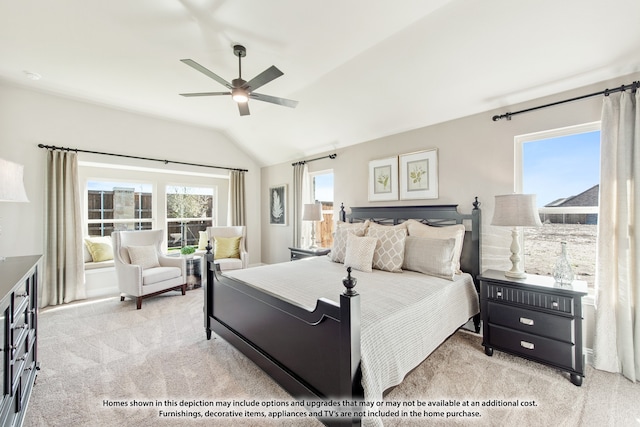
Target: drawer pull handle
{"points": [[527, 345], [22, 295], [499, 294], [525, 321], [554, 304]]}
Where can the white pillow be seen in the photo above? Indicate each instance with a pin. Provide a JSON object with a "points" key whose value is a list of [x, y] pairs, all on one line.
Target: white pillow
{"points": [[418, 229], [389, 253], [360, 252], [144, 256], [435, 257], [343, 229]]}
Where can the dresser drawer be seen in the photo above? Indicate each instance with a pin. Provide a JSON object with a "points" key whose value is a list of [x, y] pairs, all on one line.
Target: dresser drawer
{"points": [[534, 322], [548, 350], [544, 300]]}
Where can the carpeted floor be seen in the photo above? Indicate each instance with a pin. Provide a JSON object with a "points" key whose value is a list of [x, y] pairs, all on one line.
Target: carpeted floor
{"points": [[97, 356]]}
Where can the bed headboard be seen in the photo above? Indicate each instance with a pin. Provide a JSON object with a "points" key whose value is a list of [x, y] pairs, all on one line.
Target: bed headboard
{"points": [[434, 215]]}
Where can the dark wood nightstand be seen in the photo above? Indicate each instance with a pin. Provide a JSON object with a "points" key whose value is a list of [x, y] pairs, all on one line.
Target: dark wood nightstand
{"points": [[299, 253], [534, 318]]}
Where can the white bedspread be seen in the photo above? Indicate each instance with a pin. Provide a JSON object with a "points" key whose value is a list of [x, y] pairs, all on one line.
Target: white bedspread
{"points": [[405, 316]]}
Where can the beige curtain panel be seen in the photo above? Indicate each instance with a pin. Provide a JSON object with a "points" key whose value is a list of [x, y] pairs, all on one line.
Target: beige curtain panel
{"points": [[237, 203], [63, 255], [617, 339]]}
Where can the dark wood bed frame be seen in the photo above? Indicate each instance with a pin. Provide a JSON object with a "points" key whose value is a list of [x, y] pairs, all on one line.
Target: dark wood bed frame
{"points": [[316, 355]]}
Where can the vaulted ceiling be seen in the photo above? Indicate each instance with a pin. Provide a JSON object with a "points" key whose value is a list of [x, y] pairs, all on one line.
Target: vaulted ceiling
{"points": [[360, 69]]}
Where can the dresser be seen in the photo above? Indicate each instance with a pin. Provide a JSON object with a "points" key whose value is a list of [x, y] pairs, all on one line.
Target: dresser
{"points": [[299, 253], [19, 317], [534, 318]]}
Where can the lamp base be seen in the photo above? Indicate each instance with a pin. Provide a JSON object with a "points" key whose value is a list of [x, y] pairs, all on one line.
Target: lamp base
{"points": [[516, 274]]}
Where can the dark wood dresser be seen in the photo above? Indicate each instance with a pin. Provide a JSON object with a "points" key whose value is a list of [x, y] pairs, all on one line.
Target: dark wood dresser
{"points": [[534, 318], [300, 253], [19, 318]]}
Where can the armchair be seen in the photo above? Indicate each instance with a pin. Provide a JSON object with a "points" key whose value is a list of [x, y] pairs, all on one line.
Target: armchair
{"points": [[142, 269], [226, 235]]}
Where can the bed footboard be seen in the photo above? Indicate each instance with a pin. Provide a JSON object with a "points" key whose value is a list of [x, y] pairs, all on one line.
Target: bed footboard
{"points": [[312, 355]]}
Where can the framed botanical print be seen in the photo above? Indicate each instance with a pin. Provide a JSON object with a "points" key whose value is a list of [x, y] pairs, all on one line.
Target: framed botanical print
{"points": [[278, 204], [383, 179], [419, 175]]}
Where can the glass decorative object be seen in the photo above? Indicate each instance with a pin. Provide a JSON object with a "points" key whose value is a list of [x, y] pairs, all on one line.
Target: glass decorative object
{"points": [[562, 272]]}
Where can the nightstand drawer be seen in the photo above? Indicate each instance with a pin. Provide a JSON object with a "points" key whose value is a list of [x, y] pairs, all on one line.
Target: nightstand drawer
{"points": [[533, 322], [545, 349], [547, 301]]}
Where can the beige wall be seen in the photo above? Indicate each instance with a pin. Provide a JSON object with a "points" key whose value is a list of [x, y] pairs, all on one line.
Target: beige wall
{"points": [[28, 118], [475, 158]]}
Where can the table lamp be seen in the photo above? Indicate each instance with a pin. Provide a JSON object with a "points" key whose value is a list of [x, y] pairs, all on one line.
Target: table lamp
{"points": [[516, 210], [11, 184], [312, 212]]}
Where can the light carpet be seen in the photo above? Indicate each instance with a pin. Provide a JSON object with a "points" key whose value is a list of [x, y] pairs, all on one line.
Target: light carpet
{"points": [[94, 354]]}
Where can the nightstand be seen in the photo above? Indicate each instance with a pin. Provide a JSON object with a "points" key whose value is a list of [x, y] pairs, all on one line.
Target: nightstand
{"points": [[534, 318], [299, 253]]}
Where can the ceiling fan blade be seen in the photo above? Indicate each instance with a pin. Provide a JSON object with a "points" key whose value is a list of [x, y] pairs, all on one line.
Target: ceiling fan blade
{"points": [[243, 107], [263, 78], [274, 100], [193, 64], [205, 94]]}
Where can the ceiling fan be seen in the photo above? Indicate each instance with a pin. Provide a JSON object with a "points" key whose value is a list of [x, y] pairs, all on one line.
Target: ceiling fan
{"points": [[241, 90]]}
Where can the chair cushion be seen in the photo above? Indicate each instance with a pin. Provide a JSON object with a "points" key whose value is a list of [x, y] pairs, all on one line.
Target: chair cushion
{"points": [[227, 247], [144, 256], [229, 264], [159, 274]]}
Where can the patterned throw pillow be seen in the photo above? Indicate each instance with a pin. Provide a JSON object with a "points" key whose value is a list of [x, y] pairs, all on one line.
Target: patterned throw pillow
{"points": [[226, 247], [144, 256], [343, 229], [418, 229], [434, 257], [389, 253], [360, 252]]}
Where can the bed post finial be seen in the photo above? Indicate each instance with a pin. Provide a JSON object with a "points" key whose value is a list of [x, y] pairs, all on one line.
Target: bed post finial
{"points": [[476, 204], [349, 283], [342, 214]]}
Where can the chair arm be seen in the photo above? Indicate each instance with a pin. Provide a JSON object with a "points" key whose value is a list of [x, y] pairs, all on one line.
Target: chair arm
{"points": [[244, 256], [174, 261], [129, 278]]}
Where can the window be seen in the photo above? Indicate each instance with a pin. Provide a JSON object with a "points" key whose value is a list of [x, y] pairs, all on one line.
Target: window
{"points": [[562, 167], [189, 211], [115, 206], [322, 192]]}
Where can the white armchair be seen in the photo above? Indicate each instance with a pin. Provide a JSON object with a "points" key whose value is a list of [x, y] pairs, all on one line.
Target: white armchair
{"points": [[229, 236], [142, 269]]}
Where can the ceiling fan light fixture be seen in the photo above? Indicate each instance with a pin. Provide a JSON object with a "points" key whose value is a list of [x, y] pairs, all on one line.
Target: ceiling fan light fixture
{"points": [[240, 95]]}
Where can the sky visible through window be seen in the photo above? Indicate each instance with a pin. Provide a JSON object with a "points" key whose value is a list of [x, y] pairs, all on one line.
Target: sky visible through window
{"points": [[324, 187], [561, 167]]}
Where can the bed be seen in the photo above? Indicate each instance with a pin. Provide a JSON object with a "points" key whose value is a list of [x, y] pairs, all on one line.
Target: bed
{"points": [[323, 336]]}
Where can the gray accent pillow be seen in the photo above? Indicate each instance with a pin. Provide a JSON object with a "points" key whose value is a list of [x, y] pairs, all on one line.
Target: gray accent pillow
{"points": [[435, 257]]}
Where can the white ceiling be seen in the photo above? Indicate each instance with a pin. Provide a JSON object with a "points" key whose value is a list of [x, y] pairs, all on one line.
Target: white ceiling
{"points": [[360, 69]]}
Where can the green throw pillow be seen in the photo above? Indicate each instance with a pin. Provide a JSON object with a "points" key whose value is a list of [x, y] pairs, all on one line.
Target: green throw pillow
{"points": [[100, 248], [227, 247]]}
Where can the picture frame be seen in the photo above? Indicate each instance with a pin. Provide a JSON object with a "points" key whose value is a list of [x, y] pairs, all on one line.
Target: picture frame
{"points": [[278, 204], [383, 179], [419, 175]]}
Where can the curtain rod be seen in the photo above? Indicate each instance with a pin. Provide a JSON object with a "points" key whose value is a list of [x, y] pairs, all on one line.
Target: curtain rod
{"points": [[633, 86], [53, 147], [302, 162]]}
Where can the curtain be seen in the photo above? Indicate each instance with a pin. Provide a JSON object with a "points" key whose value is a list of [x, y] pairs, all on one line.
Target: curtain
{"points": [[301, 231], [63, 255], [237, 206], [617, 339]]}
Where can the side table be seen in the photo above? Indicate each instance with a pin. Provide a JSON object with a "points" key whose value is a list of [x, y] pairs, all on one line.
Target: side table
{"points": [[194, 272], [300, 253], [534, 318]]}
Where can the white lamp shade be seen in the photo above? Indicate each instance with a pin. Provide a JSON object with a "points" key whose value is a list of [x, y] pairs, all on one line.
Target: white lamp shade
{"points": [[11, 182], [516, 210], [312, 212]]}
